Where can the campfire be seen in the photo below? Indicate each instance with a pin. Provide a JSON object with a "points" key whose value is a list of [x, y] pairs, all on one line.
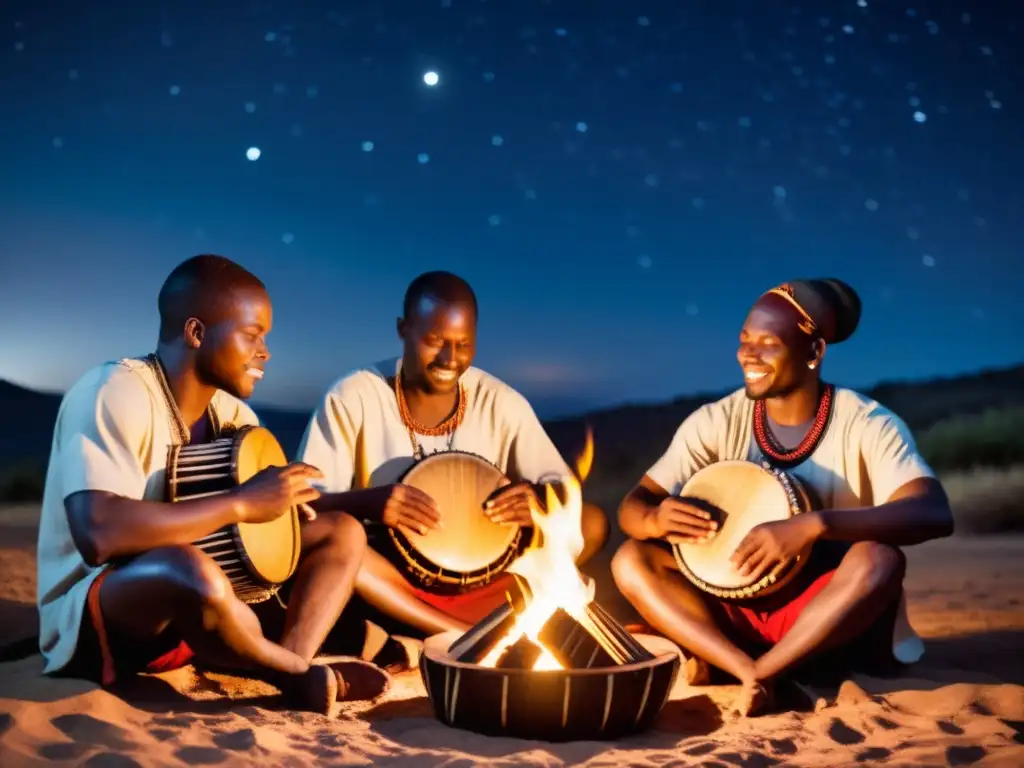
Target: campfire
{"points": [[550, 663]]}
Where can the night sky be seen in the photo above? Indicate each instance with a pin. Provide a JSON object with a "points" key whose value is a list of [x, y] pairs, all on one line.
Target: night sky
{"points": [[618, 180]]}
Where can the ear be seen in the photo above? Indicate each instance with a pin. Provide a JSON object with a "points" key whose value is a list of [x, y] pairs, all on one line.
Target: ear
{"points": [[195, 331], [817, 353], [400, 327]]}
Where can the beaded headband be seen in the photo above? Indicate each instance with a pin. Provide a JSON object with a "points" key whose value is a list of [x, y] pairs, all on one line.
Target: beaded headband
{"points": [[807, 325]]}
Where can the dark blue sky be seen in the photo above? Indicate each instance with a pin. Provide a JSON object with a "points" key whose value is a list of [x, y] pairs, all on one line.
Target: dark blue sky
{"points": [[619, 181]]}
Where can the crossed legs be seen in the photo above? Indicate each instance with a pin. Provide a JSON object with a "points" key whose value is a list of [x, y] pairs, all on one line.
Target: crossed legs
{"points": [[183, 591], [863, 586]]}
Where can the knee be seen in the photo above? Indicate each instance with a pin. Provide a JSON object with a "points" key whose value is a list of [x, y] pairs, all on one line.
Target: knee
{"points": [[192, 573], [595, 528], [876, 566], [629, 563], [348, 535]]}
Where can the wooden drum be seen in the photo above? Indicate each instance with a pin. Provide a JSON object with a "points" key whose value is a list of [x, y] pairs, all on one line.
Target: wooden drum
{"points": [[740, 495], [256, 557], [469, 551]]}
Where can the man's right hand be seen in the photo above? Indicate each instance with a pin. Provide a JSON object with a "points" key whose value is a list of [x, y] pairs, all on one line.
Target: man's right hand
{"points": [[273, 491], [679, 521], [407, 508]]}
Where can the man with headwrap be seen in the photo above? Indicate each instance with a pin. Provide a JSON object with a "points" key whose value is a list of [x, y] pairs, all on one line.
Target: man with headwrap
{"points": [[875, 493]]}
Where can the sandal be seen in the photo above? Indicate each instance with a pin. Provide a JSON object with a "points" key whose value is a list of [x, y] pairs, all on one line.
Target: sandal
{"points": [[357, 680]]}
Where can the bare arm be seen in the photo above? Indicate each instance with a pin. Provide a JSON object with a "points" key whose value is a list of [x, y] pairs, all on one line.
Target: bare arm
{"points": [[105, 526], [638, 509], [918, 511], [362, 504]]}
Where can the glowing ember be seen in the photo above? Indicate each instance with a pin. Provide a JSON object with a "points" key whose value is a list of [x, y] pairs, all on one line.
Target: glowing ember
{"points": [[550, 568]]}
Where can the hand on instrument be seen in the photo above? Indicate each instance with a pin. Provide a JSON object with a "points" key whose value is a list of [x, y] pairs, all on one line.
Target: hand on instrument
{"points": [[771, 544], [272, 492], [511, 504], [681, 521], [409, 509]]}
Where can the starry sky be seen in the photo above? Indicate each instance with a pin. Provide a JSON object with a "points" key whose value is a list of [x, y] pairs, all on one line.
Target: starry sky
{"points": [[619, 181]]}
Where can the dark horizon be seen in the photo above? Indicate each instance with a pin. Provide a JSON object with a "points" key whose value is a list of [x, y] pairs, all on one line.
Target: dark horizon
{"points": [[546, 412]]}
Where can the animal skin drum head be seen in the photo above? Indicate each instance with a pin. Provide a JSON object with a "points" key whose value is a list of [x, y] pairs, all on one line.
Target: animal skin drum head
{"points": [[731, 485], [460, 482], [273, 547]]}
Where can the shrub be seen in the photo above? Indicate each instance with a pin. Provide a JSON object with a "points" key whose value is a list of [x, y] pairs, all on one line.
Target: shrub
{"points": [[994, 438], [986, 499]]}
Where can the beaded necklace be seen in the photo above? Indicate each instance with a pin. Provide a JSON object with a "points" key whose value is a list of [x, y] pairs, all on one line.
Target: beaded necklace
{"points": [[770, 447], [178, 426], [413, 427]]}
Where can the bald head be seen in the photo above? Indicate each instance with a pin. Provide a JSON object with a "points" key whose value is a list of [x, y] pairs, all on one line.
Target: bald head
{"points": [[438, 286], [204, 287]]}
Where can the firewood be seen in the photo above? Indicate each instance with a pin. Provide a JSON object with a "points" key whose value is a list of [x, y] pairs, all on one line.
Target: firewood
{"points": [[597, 641], [480, 639], [522, 654]]}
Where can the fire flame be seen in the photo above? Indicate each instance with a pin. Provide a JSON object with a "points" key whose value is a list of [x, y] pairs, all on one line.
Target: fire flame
{"points": [[550, 569]]}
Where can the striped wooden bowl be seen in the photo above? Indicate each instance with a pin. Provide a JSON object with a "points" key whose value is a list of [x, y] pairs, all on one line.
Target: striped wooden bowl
{"points": [[564, 705]]}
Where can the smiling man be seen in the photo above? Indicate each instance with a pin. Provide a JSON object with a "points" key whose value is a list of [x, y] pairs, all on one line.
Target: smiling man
{"points": [[375, 422], [875, 494], [122, 588]]}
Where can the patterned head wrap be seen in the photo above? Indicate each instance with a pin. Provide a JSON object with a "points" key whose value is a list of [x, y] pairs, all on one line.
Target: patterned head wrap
{"points": [[828, 307]]}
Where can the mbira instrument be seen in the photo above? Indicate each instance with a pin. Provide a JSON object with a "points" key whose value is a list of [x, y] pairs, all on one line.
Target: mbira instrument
{"points": [[741, 495], [470, 550], [256, 557]]}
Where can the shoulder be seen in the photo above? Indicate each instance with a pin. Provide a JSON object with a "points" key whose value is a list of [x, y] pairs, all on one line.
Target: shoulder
{"points": [[865, 417], [485, 387], [358, 384], [118, 385], [858, 408], [721, 411]]}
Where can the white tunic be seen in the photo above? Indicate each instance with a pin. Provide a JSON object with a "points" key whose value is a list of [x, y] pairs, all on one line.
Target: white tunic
{"points": [[112, 434], [865, 455]]}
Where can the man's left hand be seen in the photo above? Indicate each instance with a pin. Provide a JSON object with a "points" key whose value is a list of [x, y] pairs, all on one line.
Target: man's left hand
{"points": [[771, 544], [512, 504]]}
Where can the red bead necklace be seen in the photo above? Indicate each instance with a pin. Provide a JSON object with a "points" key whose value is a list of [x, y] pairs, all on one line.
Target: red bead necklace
{"points": [[771, 448]]}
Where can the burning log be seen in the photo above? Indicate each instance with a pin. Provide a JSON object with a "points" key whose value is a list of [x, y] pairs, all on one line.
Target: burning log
{"points": [[598, 641], [480, 640], [522, 654]]}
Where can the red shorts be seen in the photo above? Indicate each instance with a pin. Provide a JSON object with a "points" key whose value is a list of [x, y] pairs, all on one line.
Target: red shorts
{"points": [[763, 622], [471, 606], [96, 659]]}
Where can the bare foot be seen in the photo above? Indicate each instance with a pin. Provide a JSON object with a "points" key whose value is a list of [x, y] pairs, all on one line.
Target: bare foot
{"points": [[315, 690], [399, 654], [357, 680], [696, 671], [753, 699]]}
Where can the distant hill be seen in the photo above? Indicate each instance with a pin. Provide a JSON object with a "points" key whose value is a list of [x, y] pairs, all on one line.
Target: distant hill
{"points": [[627, 438]]}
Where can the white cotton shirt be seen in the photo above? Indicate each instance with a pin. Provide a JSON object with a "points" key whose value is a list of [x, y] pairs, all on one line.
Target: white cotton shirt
{"points": [[865, 455], [357, 439], [112, 434]]}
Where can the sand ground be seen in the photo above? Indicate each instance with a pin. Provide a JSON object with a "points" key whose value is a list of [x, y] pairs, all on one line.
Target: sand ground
{"points": [[962, 705]]}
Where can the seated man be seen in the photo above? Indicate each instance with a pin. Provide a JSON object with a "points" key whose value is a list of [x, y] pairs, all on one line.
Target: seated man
{"points": [[375, 422], [876, 494], [121, 588]]}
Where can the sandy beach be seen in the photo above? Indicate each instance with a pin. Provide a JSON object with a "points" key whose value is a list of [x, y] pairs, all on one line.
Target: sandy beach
{"points": [[962, 705]]}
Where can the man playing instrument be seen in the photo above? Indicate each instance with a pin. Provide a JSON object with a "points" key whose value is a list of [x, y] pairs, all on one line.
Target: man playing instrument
{"points": [[875, 493], [122, 589], [373, 424]]}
